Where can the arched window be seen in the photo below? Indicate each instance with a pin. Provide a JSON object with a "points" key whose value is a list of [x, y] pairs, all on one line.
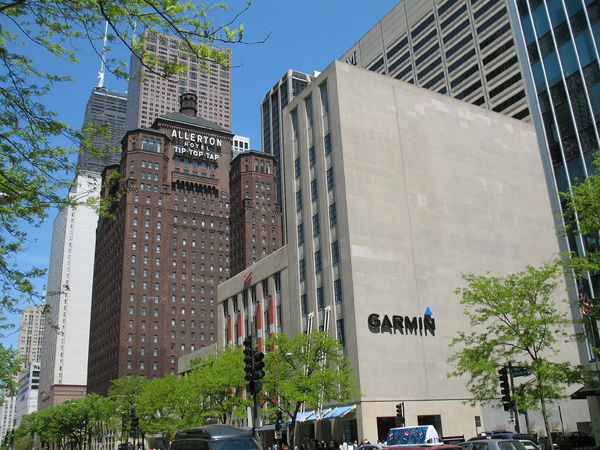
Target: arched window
{"points": [[144, 143], [256, 166], [204, 164], [151, 144], [157, 145], [262, 166], [269, 168], [133, 143], [195, 164], [212, 166]]}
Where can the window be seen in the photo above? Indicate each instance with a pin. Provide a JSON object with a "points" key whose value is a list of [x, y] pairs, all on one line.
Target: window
{"points": [[337, 290], [301, 234], [335, 252], [304, 304], [302, 270], [299, 199], [318, 261], [327, 144], [340, 332], [314, 190], [330, 179], [316, 225], [312, 157], [297, 170], [320, 298], [332, 214]]}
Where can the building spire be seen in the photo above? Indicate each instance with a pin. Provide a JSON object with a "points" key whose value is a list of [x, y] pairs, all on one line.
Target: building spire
{"points": [[101, 73]]}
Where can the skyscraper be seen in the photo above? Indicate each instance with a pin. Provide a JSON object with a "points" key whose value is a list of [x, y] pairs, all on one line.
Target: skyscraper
{"points": [[290, 85], [63, 364], [255, 209], [29, 346], [150, 95], [559, 44], [105, 108], [462, 49], [159, 261]]}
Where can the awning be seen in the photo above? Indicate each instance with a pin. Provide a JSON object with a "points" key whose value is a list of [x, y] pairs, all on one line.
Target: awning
{"points": [[339, 411], [326, 413], [584, 392]]}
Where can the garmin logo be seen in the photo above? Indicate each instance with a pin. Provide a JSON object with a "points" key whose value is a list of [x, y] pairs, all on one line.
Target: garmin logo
{"points": [[404, 325]]}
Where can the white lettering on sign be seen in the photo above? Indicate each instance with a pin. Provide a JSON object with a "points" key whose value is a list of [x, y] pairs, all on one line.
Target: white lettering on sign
{"points": [[196, 145]]}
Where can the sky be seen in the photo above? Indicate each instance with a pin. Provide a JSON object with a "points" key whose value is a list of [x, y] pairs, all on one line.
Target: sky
{"points": [[305, 36]]}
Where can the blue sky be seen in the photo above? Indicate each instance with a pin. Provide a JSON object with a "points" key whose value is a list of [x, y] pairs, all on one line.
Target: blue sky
{"points": [[305, 36]]}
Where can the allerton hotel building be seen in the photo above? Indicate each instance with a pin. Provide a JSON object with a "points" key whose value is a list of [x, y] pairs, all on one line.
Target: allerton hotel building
{"points": [[163, 250]]}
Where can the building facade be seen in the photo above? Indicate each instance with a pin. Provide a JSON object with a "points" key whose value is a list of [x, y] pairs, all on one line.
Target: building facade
{"points": [[378, 234], [240, 144], [158, 263], [106, 108], [462, 49], [286, 88], [559, 45], [255, 209], [150, 95], [27, 392], [63, 363]]}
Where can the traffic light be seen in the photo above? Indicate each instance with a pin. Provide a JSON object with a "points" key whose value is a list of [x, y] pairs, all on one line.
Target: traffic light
{"points": [[259, 365], [400, 413], [278, 421], [12, 437], [505, 388], [248, 360]]}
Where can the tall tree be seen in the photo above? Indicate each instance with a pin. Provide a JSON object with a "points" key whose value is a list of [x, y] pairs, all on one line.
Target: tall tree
{"points": [[36, 147], [515, 319], [309, 370], [218, 381]]}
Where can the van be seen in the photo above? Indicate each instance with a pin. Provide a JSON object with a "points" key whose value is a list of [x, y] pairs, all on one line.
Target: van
{"points": [[215, 437]]}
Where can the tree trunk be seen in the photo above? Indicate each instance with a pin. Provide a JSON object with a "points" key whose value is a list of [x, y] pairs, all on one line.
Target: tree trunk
{"points": [[546, 424]]}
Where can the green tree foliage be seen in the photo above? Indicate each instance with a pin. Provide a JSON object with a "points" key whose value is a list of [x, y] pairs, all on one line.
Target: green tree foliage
{"points": [[76, 421], [218, 381], [307, 370], [10, 364], [38, 40], [515, 319]]}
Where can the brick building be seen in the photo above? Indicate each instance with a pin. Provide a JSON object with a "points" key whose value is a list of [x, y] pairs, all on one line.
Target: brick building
{"points": [[161, 256], [255, 209]]}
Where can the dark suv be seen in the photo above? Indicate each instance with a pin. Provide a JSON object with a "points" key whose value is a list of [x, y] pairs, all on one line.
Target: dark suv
{"points": [[575, 439], [215, 437]]}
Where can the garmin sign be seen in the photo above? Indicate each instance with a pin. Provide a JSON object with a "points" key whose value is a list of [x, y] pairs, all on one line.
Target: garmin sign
{"points": [[398, 324]]}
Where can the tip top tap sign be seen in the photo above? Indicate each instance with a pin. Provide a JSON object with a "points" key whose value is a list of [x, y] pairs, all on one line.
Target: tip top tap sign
{"points": [[196, 145]]}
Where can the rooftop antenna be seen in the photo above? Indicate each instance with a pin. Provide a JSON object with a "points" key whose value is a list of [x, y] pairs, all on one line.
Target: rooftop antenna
{"points": [[101, 73]]}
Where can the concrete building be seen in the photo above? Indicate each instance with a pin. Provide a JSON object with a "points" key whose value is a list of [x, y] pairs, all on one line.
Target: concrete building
{"points": [[31, 334], [159, 261], [240, 144], [255, 209], [150, 95], [29, 346], [27, 392], [63, 363], [462, 49], [398, 214], [284, 90]]}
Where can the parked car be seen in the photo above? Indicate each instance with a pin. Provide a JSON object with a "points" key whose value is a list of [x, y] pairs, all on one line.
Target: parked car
{"points": [[369, 447], [215, 437], [530, 445], [575, 439], [493, 444]]}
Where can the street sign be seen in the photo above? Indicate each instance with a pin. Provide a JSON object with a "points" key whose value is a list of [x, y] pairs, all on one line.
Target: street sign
{"points": [[520, 371], [278, 434]]}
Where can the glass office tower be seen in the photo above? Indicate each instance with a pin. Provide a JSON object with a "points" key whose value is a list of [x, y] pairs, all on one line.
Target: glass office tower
{"points": [[559, 39]]}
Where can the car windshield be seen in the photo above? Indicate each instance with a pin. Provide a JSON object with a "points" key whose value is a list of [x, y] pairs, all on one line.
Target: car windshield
{"points": [[511, 445], [235, 444]]}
